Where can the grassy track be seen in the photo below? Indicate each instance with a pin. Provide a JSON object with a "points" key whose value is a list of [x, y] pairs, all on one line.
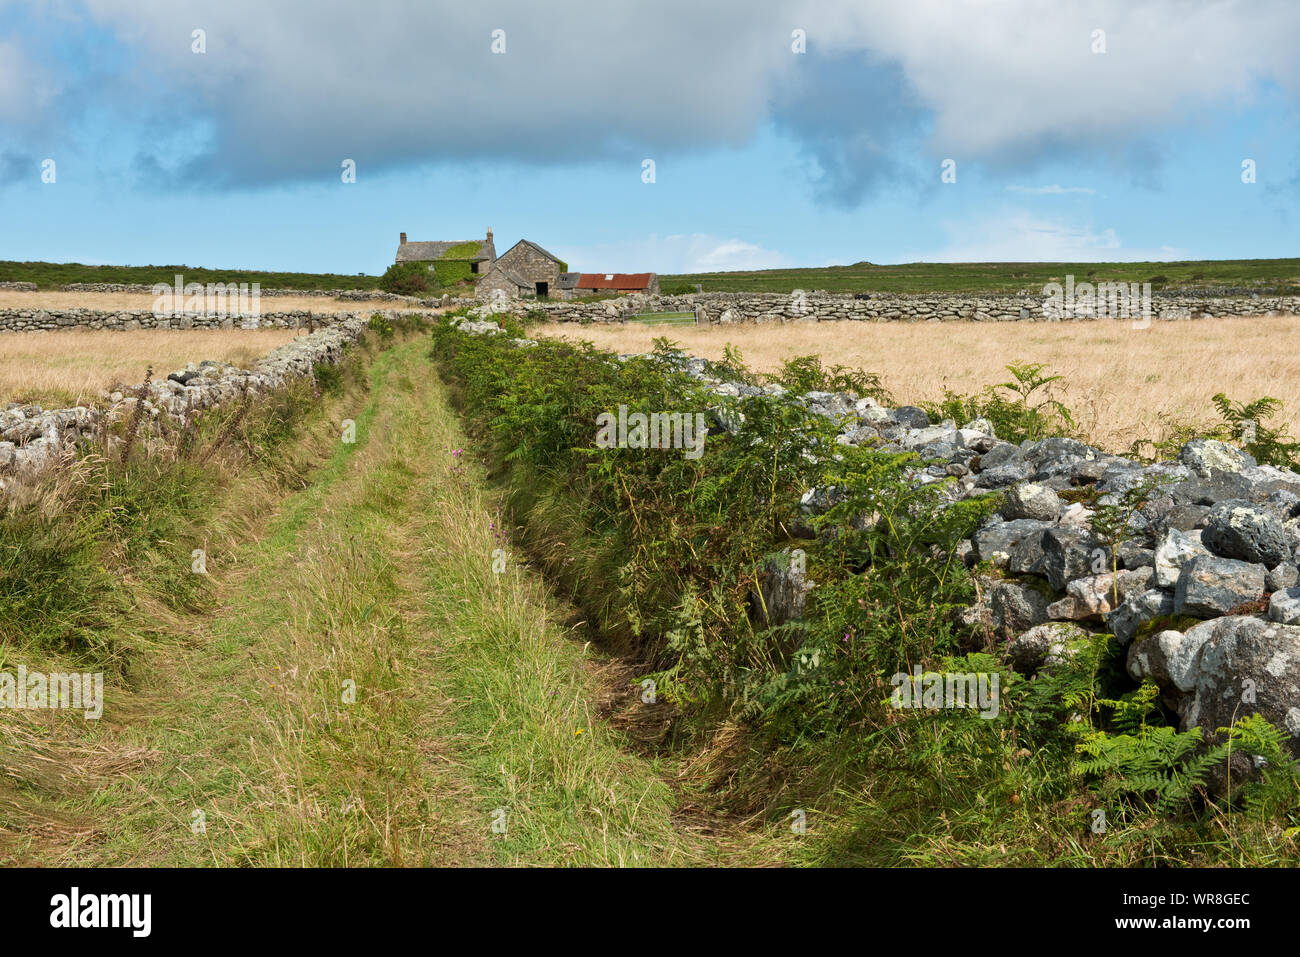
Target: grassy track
{"points": [[473, 704]]}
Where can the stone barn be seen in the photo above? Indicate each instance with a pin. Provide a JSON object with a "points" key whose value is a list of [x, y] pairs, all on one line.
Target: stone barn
{"points": [[590, 284], [526, 263], [505, 282]]}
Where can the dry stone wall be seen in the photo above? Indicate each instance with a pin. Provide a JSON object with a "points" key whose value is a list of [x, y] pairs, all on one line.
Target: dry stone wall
{"points": [[32, 438], [37, 320], [713, 307], [352, 295], [1200, 585], [726, 307]]}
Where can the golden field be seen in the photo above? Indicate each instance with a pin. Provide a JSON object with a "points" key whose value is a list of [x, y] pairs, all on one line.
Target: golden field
{"points": [[65, 368], [109, 301], [1121, 383]]}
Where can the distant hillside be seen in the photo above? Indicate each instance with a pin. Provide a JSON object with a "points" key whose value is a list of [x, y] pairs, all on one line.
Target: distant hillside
{"points": [[53, 275], [1260, 275]]}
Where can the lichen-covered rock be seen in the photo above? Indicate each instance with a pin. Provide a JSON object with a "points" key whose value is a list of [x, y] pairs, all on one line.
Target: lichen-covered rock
{"points": [[1070, 553], [1174, 551], [995, 541], [1245, 666], [1133, 556], [1216, 487], [1091, 598], [1210, 586], [1002, 453], [1028, 500], [1285, 575], [1204, 456], [1045, 645], [1238, 529], [1170, 658], [784, 590], [1136, 611], [910, 416], [1016, 607], [1284, 606]]}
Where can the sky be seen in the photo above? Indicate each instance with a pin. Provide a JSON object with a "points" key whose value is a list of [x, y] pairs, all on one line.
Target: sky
{"points": [[674, 136]]}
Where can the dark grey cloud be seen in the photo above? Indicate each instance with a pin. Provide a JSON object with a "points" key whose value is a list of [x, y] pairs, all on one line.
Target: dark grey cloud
{"points": [[857, 119], [16, 167], [287, 90]]}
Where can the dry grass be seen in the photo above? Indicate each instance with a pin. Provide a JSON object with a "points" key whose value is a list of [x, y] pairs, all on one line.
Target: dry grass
{"points": [[1122, 383], [110, 301], [64, 368]]}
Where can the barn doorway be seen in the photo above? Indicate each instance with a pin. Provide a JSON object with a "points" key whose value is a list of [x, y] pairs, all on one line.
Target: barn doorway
{"points": [[543, 290]]}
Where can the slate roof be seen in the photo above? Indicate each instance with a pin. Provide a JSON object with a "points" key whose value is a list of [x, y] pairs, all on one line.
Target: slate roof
{"points": [[615, 280], [529, 242], [514, 277], [429, 252], [567, 280]]}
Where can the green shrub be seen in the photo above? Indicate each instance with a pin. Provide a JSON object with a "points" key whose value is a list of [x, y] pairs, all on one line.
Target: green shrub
{"points": [[667, 557], [1026, 410], [1243, 423], [406, 279], [802, 374]]}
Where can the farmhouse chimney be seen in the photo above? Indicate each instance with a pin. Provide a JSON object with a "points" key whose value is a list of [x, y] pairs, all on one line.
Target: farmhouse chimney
{"points": [[403, 235], [489, 239]]}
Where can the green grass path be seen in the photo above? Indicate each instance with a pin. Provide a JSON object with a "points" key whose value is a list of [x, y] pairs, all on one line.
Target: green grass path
{"points": [[371, 691]]}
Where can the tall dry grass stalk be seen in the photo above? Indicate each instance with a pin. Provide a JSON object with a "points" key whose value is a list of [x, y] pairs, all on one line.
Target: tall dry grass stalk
{"points": [[1122, 383], [67, 368]]}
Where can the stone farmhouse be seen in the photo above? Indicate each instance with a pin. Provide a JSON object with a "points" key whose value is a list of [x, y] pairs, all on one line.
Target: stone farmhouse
{"points": [[472, 256], [525, 269]]}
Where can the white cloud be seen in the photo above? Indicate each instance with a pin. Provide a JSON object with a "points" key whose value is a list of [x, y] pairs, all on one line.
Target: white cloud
{"points": [[696, 252], [1020, 236], [293, 88], [1005, 79], [286, 90], [25, 86]]}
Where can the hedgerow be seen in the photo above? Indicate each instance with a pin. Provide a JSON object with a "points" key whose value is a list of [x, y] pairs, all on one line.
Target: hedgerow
{"points": [[668, 557]]}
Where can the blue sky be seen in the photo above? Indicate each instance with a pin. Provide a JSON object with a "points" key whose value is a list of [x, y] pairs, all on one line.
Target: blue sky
{"points": [[763, 156]]}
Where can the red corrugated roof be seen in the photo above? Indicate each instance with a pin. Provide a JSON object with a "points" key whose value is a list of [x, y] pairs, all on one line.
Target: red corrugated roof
{"points": [[617, 280]]}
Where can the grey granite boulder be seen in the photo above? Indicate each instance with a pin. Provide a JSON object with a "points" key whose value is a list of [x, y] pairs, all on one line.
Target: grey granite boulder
{"points": [[1284, 606], [1071, 553], [1028, 500], [1210, 586], [1238, 529], [1044, 645], [1137, 610]]}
